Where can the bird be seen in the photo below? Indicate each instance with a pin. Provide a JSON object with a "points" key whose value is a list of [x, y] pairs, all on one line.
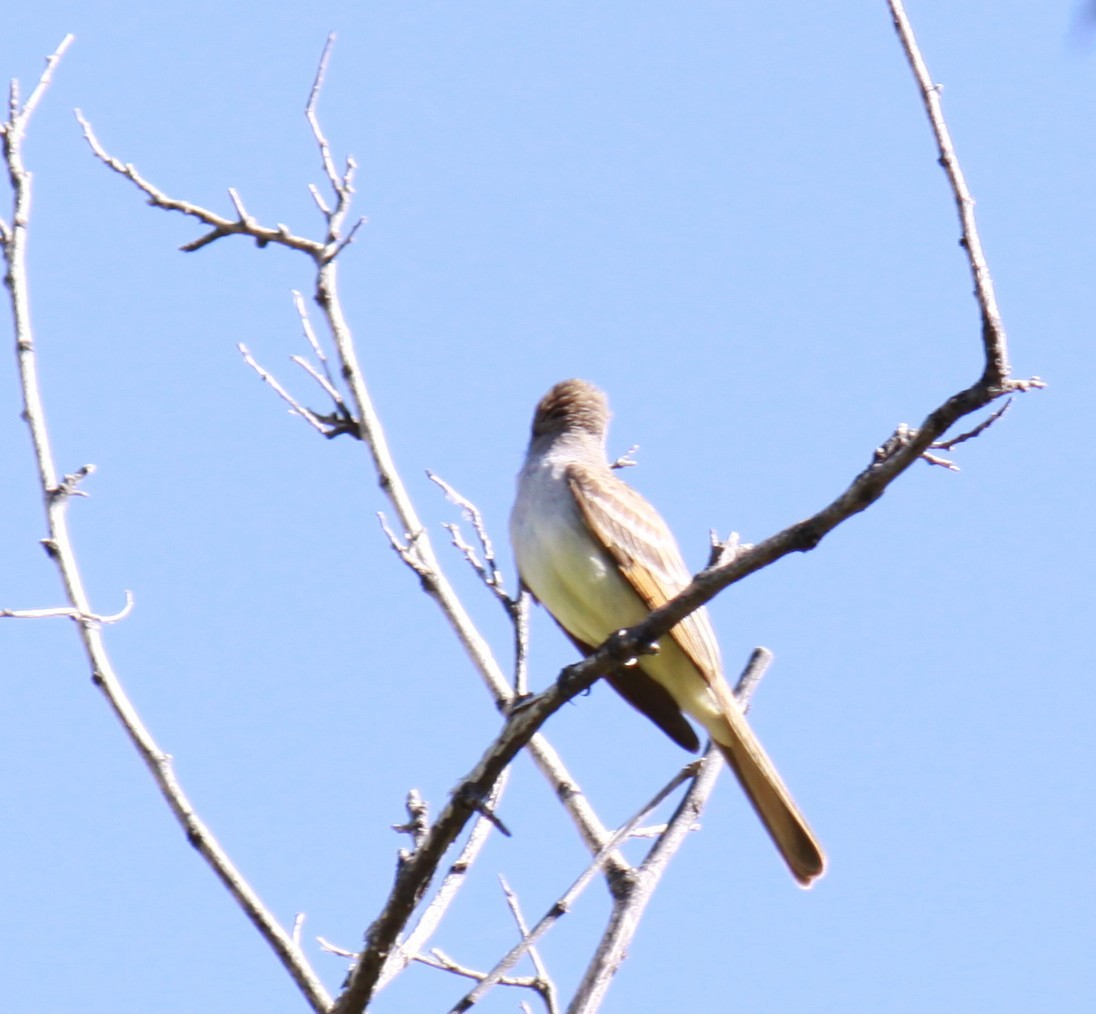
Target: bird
{"points": [[600, 558]]}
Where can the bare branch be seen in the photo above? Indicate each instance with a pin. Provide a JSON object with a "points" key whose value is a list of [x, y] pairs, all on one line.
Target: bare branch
{"points": [[635, 892], [890, 462], [364, 422], [325, 208], [238, 204], [415, 876], [907, 445], [323, 382], [70, 613], [523, 721], [309, 333], [947, 445], [44, 81], [343, 243], [416, 549], [756, 666], [440, 960], [934, 459], [488, 570], [295, 407], [632, 892], [434, 911], [418, 819], [521, 647], [568, 898], [723, 552], [330, 948], [996, 377], [313, 119], [56, 498], [68, 485], [549, 990], [220, 226], [405, 548]]}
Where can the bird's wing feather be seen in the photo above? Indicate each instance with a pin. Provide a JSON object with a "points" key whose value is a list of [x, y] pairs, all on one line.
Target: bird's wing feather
{"points": [[645, 550]]}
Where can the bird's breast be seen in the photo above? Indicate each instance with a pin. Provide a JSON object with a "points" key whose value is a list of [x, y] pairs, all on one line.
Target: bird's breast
{"points": [[561, 562]]}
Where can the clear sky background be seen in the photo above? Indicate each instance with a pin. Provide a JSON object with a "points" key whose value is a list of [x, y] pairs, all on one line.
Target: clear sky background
{"points": [[729, 216]]}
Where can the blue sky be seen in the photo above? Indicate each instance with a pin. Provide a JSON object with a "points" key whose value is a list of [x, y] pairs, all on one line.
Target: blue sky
{"points": [[731, 218]]}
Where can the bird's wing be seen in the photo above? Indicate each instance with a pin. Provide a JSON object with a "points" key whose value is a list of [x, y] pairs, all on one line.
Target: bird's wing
{"points": [[645, 550]]}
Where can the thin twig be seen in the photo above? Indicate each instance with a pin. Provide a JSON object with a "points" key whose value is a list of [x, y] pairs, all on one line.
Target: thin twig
{"points": [[313, 119], [321, 380], [488, 570], [405, 548], [343, 243], [314, 343], [418, 819], [723, 552], [996, 376], [947, 445], [220, 226], [521, 646], [548, 988], [71, 613], [295, 406], [339, 952], [568, 898], [756, 666], [935, 459], [44, 80], [440, 960]]}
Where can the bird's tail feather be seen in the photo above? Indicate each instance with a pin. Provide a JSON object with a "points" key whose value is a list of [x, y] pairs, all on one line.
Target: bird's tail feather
{"points": [[768, 794]]}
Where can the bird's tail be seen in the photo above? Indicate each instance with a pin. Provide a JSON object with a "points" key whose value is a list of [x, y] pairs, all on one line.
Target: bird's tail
{"points": [[767, 792]]}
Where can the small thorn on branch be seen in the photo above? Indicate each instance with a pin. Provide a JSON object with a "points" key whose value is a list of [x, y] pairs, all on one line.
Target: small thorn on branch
{"points": [[418, 822], [67, 486], [901, 436], [626, 460], [475, 802], [724, 552], [1030, 384]]}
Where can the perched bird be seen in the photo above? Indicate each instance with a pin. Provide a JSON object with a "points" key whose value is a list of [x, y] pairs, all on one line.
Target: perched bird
{"points": [[599, 558]]}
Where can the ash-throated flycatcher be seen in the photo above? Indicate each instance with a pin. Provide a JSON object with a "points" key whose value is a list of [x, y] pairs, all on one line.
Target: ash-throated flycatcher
{"points": [[599, 558]]}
